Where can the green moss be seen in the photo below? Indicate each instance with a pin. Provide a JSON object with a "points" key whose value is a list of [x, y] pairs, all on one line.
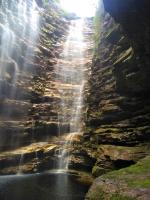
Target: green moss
{"points": [[97, 30], [145, 183], [97, 26], [97, 171], [96, 194], [141, 168], [135, 176], [85, 178], [117, 196]]}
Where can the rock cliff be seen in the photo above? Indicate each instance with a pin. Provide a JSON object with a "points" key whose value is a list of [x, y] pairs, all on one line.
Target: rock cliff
{"points": [[117, 99], [30, 119], [118, 120], [28, 102]]}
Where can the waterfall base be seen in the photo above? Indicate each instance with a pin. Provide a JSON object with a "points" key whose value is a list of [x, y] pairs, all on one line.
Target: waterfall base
{"points": [[46, 186]]}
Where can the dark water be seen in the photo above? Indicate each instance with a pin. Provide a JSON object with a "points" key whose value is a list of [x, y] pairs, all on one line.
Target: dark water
{"points": [[47, 186]]}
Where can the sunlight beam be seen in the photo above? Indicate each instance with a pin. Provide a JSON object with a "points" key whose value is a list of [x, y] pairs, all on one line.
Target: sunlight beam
{"points": [[82, 8]]}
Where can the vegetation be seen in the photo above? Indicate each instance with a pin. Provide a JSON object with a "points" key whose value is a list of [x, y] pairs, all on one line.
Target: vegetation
{"points": [[126, 179], [145, 183], [141, 168], [97, 171], [98, 194], [97, 27], [117, 196]]}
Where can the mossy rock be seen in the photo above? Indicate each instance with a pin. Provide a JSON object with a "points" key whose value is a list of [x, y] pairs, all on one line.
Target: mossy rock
{"points": [[96, 194], [125, 184], [141, 168], [117, 196], [85, 178], [97, 171], [99, 194]]}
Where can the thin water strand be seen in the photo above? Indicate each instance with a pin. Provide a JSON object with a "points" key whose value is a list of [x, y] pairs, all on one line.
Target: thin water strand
{"points": [[19, 27], [70, 72]]}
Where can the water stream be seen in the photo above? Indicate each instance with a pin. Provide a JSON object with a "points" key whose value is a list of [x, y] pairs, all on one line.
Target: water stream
{"points": [[19, 31], [19, 25], [26, 29], [70, 73]]}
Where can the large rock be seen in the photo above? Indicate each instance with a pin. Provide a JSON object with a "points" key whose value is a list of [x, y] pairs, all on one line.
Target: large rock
{"points": [[112, 157], [118, 91], [130, 183], [29, 159], [117, 118]]}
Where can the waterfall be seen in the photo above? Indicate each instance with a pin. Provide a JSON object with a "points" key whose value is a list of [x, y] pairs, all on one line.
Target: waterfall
{"points": [[19, 28], [19, 31], [70, 73], [28, 119]]}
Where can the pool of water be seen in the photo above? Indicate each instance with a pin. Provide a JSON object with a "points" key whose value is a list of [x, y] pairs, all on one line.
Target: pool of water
{"points": [[45, 186]]}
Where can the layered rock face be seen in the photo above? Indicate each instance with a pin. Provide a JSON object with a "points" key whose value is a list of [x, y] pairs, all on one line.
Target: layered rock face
{"points": [[118, 119], [42, 104], [31, 40]]}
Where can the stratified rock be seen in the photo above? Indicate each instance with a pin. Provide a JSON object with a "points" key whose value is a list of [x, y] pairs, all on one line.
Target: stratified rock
{"points": [[118, 117], [118, 91], [28, 159], [28, 97]]}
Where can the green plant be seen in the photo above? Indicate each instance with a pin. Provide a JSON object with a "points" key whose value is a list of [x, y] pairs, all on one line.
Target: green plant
{"points": [[117, 196], [96, 194], [97, 21], [145, 183]]}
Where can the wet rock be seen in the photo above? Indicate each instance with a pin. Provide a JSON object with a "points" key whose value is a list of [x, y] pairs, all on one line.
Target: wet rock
{"points": [[47, 128], [98, 171], [13, 108], [117, 118], [28, 111], [28, 159], [117, 99], [129, 183], [112, 157], [79, 162]]}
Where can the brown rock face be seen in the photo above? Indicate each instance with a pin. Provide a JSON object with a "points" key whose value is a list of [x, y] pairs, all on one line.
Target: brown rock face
{"points": [[118, 101], [28, 95], [118, 119], [29, 124], [131, 183]]}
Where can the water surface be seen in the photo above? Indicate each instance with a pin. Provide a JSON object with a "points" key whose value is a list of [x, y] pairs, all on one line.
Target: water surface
{"points": [[46, 186]]}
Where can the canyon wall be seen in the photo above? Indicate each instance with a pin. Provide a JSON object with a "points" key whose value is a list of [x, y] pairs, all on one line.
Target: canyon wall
{"points": [[117, 103], [118, 119], [28, 92]]}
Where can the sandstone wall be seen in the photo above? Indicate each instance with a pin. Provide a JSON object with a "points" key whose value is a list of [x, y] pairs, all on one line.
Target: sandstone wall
{"points": [[118, 119], [118, 100], [28, 105]]}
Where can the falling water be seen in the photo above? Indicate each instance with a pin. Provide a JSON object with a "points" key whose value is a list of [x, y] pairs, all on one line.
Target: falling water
{"points": [[70, 75], [19, 20], [19, 30]]}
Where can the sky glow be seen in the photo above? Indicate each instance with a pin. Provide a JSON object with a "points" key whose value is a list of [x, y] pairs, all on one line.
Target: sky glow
{"points": [[82, 8]]}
